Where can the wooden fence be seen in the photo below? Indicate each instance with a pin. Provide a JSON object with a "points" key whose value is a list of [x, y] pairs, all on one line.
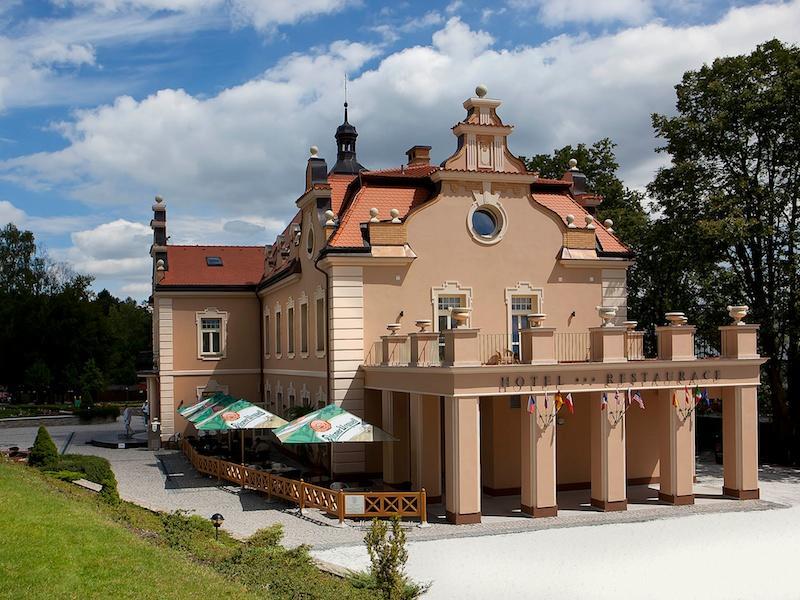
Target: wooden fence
{"points": [[339, 504]]}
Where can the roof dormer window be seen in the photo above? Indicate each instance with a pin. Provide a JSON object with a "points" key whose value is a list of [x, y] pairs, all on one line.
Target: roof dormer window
{"points": [[213, 261]]}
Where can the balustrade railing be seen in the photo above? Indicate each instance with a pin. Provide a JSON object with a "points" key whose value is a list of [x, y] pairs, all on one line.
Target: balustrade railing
{"points": [[339, 504], [496, 350], [572, 346]]}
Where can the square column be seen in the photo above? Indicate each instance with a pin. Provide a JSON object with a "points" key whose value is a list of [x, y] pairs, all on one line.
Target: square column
{"points": [[462, 438], [395, 454], [424, 348], [461, 348], [676, 342], [607, 344], [609, 491], [740, 442], [538, 345], [539, 462], [426, 445], [676, 450]]}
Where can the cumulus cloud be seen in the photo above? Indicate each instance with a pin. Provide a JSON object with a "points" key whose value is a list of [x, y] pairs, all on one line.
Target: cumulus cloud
{"points": [[556, 12], [240, 227]]}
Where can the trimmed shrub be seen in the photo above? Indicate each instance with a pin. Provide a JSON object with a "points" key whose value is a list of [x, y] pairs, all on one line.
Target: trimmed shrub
{"points": [[44, 453], [93, 468], [65, 475], [268, 537]]}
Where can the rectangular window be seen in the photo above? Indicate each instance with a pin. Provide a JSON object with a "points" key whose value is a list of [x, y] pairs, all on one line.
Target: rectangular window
{"points": [[320, 325], [290, 330], [278, 343], [445, 320], [210, 333], [266, 335], [304, 328], [521, 307]]}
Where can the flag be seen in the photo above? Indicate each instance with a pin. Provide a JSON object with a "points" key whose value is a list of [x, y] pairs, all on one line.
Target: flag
{"points": [[531, 404], [616, 398], [686, 394], [570, 405], [706, 398], [559, 401], [603, 401], [638, 399], [628, 399], [697, 395], [675, 398], [545, 400]]}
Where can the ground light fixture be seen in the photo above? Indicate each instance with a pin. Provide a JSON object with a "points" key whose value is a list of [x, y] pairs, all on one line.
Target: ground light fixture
{"points": [[217, 520]]}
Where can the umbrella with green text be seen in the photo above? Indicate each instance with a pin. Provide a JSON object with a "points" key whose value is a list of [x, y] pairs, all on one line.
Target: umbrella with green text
{"points": [[330, 424]]}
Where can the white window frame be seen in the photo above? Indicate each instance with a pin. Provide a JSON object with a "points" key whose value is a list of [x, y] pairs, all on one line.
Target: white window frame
{"points": [[266, 322], [291, 395], [277, 328], [450, 288], [320, 342], [303, 303], [521, 289], [212, 313], [291, 341]]}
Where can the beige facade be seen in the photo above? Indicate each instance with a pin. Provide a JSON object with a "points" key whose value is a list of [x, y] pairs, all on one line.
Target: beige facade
{"points": [[439, 303]]}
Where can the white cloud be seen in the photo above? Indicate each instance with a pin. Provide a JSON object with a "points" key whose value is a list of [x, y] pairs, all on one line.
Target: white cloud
{"points": [[557, 12], [242, 153], [10, 214], [429, 19], [267, 14], [454, 6], [52, 225]]}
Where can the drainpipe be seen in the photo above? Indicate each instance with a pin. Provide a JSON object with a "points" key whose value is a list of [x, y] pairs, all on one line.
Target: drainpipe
{"points": [[261, 348]]}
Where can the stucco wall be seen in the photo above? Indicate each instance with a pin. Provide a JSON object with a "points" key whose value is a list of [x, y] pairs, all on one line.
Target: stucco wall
{"points": [[446, 251]]}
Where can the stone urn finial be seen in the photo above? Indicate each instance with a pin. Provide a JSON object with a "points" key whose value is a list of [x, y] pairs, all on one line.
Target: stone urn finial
{"points": [[460, 315], [607, 313], [676, 319], [536, 319], [423, 324], [738, 313], [373, 215], [393, 328]]}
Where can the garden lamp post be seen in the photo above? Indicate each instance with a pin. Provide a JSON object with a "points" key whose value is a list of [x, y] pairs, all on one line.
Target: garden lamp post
{"points": [[217, 520]]}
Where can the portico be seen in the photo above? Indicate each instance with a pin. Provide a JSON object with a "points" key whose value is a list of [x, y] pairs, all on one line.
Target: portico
{"points": [[463, 421]]}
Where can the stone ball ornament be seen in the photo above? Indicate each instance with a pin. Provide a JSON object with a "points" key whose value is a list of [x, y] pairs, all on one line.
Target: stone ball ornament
{"points": [[481, 90], [314, 150]]}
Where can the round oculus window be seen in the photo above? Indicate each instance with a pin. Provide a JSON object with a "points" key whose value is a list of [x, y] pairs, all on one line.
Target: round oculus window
{"points": [[484, 223]]}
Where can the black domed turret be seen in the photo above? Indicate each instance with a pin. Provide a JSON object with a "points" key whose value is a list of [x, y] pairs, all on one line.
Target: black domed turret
{"points": [[346, 161]]}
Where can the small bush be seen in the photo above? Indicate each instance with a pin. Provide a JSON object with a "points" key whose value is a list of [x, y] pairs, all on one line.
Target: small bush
{"points": [[44, 453], [195, 534], [268, 537], [387, 556], [94, 468]]}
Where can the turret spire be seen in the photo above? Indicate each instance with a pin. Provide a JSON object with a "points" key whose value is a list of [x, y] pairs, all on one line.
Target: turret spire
{"points": [[346, 134]]}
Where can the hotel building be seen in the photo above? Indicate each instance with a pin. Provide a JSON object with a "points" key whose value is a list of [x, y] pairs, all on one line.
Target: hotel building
{"points": [[450, 304]]}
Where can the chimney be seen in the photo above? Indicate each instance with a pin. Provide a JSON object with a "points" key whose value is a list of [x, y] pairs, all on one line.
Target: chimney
{"points": [[419, 155], [579, 189], [158, 251], [316, 169]]}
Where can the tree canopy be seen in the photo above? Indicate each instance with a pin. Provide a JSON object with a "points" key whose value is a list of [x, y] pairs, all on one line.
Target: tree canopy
{"points": [[57, 334]]}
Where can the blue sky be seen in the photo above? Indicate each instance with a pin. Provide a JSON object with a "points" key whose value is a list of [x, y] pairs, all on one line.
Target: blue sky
{"points": [[214, 103]]}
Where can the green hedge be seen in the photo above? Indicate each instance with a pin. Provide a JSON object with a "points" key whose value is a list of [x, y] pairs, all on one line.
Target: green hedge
{"points": [[94, 468]]}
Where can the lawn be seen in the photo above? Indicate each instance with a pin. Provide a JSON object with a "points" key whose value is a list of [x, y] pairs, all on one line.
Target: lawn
{"points": [[57, 542]]}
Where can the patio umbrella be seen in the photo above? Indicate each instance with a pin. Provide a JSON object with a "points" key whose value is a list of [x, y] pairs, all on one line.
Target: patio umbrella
{"points": [[221, 412], [330, 424]]}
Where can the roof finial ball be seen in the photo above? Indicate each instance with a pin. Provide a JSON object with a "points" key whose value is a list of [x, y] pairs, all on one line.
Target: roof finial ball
{"points": [[313, 150], [481, 90], [573, 164]]}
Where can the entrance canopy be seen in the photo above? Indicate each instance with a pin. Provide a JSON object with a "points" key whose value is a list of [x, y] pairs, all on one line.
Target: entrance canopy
{"points": [[221, 412], [330, 424]]}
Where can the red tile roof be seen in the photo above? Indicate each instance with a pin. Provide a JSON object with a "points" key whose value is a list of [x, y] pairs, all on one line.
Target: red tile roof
{"points": [[563, 204], [404, 171], [241, 265], [348, 235], [339, 183]]}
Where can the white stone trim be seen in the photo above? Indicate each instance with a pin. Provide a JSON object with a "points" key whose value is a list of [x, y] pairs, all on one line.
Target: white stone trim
{"points": [[523, 288], [277, 340], [212, 313], [291, 349], [488, 201], [296, 373], [197, 372], [449, 288], [471, 148], [267, 336], [304, 302]]}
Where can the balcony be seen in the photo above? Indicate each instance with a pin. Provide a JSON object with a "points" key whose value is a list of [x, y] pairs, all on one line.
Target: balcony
{"points": [[500, 349]]}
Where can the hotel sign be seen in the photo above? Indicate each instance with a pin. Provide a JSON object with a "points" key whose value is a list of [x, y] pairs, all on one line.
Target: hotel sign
{"points": [[644, 378]]}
